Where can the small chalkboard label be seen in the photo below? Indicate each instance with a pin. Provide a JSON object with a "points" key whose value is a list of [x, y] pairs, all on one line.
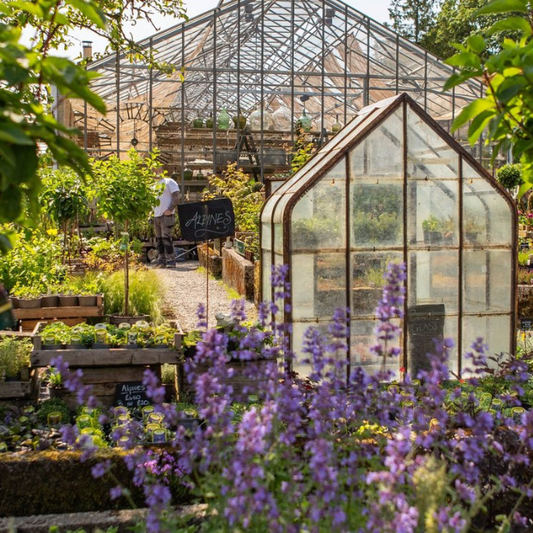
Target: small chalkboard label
{"points": [[526, 324], [524, 246], [425, 325], [203, 221], [131, 394]]}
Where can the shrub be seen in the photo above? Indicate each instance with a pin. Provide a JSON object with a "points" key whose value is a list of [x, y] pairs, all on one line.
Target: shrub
{"points": [[14, 356], [510, 176], [145, 294]]}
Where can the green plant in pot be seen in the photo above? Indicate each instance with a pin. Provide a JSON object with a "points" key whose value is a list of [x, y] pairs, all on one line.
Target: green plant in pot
{"points": [[14, 358], [126, 193], [432, 227]]}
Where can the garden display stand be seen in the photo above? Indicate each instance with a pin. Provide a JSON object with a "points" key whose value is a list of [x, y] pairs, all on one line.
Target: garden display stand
{"points": [[70, 315], [22, 390], [105, 368]]}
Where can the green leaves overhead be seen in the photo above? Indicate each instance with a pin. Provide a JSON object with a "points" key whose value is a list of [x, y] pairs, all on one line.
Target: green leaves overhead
{"points": [[506, 111], [504, 6]]}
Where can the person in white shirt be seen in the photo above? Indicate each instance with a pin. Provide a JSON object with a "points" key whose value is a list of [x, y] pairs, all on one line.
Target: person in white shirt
{"points": [[164, 219]]}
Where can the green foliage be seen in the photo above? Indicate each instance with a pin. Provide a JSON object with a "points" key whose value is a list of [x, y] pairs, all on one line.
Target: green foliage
{"points": [[145, 294], [245, 194], [506, 111], [456, 21], [125, 189], [33, 265], [510, 176], [26, 123], [64, 196], [53, 405], [302, 150], [14, 356], [412, 18]]}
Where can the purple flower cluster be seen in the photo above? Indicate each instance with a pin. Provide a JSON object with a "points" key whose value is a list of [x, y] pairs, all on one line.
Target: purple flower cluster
{"points": [[323, 452]]}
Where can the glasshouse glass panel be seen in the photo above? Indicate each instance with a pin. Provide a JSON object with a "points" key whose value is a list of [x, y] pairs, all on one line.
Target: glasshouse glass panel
{"points": [[428, 155], [486, 214], [495, 332], [362, 338], [278, 238], [367, 279], [381, 152], [433, 279], [377, 213], [329, 283], [266, 236], [266, 266], [425, 324], [318, 219], [487, 281], [299, 330], [433, 212]]}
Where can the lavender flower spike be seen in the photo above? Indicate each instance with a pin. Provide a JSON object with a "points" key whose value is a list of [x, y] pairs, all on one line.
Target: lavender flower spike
{"points": [[391, 305]]}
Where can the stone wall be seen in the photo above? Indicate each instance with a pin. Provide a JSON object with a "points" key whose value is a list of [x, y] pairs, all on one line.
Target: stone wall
{"points": [[525, 301], [208, 256], [238, 273]]}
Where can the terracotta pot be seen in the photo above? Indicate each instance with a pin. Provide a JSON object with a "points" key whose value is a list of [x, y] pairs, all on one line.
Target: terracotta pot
{"points": [[51, 300]]}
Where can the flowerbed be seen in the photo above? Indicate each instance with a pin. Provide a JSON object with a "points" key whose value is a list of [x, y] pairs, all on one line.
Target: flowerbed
{"points": [[429, 454]]}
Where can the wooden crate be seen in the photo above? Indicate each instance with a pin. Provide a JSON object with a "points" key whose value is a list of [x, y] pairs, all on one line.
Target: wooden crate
{"points": [[239, 381], [105, 368], [24, 390], [69, 315]]}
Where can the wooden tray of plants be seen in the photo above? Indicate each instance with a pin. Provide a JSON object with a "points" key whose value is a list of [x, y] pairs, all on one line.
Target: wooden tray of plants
{"points": [[85, 346], [17, 379]]}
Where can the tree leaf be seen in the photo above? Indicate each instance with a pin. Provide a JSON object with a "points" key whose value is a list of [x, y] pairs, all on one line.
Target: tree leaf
{"points": [[90, 10], [13, 133], [465, 59], [513, 24], [476, 43], [471, 111], [503, 6]]}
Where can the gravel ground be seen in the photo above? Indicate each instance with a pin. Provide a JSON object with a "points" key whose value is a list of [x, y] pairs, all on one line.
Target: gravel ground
{"points": [[185, 288]]}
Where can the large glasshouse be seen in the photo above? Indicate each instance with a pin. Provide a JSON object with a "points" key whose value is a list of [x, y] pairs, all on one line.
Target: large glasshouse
{"points": [[242, 82], [240, 76]]}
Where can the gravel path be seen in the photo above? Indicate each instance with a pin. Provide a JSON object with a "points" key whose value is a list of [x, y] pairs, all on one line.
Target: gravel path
{"points": [[185, 288]]}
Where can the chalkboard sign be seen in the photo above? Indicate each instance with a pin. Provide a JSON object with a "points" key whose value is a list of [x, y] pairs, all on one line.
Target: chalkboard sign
{"points": [[425, 323], [131, 394], [202, 221]]}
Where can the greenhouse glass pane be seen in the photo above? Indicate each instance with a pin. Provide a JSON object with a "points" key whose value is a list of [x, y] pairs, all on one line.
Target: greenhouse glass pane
{"points": [[367, 279], [318, 218], [266, 236], [266, 262], [380, 154], [433, 279], [428, 155], [486, 213], [362, 338], [495, 331], [487, 281], [433, 213], [377, 213], [328, 283]]}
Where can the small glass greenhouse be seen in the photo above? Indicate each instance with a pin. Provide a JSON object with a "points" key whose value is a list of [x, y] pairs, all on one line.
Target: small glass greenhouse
{"points": [[393, 186]]}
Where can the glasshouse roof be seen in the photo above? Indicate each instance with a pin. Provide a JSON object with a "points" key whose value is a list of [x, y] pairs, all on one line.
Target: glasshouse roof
{"points": [[320, 55]]}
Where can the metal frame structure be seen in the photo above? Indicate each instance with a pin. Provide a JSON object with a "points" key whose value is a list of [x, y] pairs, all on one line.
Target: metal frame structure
{"points": [[246, 54], [463, 284]]}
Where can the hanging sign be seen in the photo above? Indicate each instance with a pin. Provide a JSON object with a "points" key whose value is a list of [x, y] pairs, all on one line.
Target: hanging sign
{"points": [[203, 221]]}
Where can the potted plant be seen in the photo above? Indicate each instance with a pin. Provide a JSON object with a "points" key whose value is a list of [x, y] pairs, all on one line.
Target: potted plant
{"points": [[126, 193], [15, 359], [472, 230], [432, 227]]}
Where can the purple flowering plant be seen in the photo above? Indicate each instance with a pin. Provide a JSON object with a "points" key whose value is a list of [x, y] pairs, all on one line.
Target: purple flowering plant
{"points": [[294, 454]]}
